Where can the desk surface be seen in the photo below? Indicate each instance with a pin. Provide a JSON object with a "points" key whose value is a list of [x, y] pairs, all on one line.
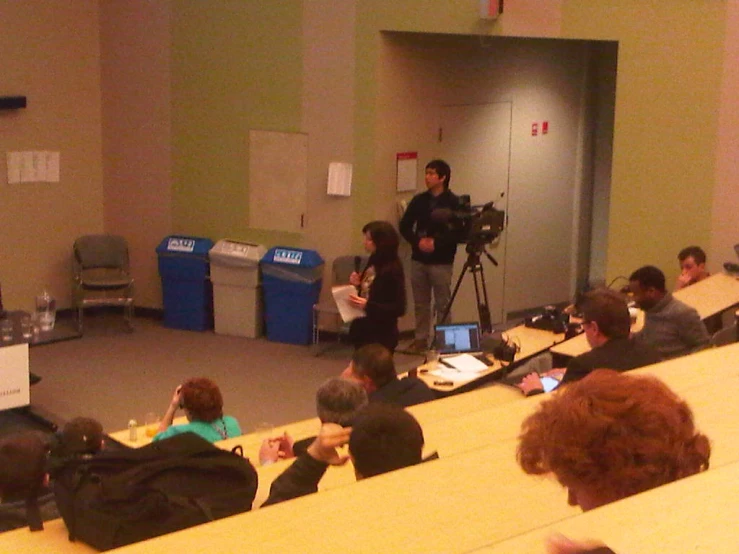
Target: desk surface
{"points": [[712, 295], [530, 342], [704, 520]]}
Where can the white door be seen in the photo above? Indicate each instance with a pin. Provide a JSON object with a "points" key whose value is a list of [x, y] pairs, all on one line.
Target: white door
{"points": [[476, 142]]}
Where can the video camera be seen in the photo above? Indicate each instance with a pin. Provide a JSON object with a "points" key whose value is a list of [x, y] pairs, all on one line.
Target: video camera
{"points": [[475, 225]]}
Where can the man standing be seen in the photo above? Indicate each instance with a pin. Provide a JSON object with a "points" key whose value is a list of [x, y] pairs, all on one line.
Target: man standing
{"points": [[672, 327], [434, 248]]}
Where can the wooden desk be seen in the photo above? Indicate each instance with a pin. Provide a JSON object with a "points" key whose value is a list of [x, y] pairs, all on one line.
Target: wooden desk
{"points": [[702, 518], [712, 295], [530, 341], [53, 539], [141, 438]]}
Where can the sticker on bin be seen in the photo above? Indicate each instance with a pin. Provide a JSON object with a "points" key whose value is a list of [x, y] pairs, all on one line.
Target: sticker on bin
{"points": [[179, 244], [287, 256]]}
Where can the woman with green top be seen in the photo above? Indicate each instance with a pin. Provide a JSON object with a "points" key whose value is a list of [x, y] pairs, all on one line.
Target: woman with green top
{"points": [[203, 404]]}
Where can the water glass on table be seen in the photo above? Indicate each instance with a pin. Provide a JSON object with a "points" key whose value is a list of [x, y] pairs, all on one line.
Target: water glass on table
{"points": [[151, 423], [6, 327]]}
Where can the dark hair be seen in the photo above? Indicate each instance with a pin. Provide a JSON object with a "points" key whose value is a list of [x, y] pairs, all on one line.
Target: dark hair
{"points": [[338, 401], [695, 252], [23, 458], [614, 433], [81, 435], [384, 438], [386, 240], [609, 310], [649, 277], [442, 170], [375, 362], [202, 398]]}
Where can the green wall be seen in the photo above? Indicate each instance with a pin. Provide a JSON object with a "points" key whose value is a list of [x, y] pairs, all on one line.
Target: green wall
{"points": [[236, 66]]}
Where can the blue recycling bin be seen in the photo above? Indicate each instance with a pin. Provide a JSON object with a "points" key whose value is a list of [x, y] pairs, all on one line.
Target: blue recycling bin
{"points": [[291, 283], [186, 287]]}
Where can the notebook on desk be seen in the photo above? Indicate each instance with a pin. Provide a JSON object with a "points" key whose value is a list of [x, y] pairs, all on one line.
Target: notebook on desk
{"points": [[459, 338]]}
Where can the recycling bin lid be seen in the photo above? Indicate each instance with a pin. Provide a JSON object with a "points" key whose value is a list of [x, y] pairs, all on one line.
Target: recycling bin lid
{"points": [[295, 257], [184, 244], [236, 253]]}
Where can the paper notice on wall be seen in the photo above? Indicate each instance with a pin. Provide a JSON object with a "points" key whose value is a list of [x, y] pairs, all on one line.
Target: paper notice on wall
{"points": [[14, 167], [407, 171], [339, 179], [52, 166]]}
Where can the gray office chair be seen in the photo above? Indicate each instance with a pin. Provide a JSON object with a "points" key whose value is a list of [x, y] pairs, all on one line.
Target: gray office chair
{"points": [[102, 275], [326, 316], [727, 335]]}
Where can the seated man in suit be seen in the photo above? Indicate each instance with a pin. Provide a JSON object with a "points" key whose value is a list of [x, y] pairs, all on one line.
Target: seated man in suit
{"points": [[337, 401], [672, 327], [372, 367], [607, 324], [383, 438], [692, 266], [25, 497]]}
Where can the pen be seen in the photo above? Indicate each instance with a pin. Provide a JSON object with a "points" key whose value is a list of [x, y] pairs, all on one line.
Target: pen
{"points": [[444, 383]]}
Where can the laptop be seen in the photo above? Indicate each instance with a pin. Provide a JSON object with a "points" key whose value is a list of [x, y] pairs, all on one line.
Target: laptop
{"points": [[459, 338]]}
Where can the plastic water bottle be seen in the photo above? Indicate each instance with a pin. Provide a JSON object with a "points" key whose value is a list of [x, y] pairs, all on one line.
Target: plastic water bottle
{"points": [[46, 310], [132, 430]]}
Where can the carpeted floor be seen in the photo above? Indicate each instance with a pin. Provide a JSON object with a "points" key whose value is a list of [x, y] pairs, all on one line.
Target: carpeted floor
{"points": [[115, 376]]}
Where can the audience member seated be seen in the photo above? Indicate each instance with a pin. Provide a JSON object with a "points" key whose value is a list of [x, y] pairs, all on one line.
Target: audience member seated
{"points": [[82, 437], [672, 327], [612, 435], [372, 367], [692, 266], [26, 499], [337, 401], [202, 402], [383, 438], [607, 324]]}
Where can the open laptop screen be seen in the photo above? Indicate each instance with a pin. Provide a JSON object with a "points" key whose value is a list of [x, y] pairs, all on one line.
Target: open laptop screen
{"points": [[456, 338]]}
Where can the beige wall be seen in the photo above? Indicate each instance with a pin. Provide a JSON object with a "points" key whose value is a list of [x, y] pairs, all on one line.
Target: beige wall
{"points": [[51, 54], [137, 141], [724, 217]]}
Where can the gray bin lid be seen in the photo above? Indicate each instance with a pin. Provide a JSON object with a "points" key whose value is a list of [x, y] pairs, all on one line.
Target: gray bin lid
{"points": [[233, 253]]}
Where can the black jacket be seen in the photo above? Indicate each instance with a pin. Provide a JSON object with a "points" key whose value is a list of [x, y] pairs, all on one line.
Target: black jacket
{"points": [[417, 223]]}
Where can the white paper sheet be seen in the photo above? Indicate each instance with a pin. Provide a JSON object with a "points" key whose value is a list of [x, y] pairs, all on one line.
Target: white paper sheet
{"points": [[465, 363], [347, 310]]}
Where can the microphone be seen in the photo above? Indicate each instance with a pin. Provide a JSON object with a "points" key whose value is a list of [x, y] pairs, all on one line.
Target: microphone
{"points": [[357, 267]]}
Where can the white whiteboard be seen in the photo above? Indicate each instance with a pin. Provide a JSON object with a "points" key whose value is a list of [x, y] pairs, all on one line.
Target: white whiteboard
{"points": [[278, 170]]}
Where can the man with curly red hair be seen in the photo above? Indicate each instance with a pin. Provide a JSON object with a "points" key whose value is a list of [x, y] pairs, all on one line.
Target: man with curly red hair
{"points": [[612, 435]]}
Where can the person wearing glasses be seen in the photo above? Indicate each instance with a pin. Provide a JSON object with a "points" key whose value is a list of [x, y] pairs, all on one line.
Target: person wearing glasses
{"points": [[607, 326]]}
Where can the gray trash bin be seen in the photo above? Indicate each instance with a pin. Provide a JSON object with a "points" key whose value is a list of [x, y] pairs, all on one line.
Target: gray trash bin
{"points": [[237, 295]]}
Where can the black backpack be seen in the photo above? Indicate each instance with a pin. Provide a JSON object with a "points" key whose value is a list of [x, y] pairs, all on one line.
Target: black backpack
{"points": [[117, 498]]}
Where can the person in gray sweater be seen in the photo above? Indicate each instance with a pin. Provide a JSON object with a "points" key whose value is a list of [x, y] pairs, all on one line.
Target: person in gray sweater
{"points": [[672, 327]]}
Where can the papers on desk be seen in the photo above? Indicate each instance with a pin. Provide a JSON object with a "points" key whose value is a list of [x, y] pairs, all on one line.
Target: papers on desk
{"points": [[347, 310], [464, 363]]}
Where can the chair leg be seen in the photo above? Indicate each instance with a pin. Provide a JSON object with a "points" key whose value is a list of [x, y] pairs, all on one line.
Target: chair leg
{"points": [[79, 319]]}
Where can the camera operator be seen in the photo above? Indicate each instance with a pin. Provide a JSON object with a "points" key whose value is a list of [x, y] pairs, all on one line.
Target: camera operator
{"points": [[434, 247]]}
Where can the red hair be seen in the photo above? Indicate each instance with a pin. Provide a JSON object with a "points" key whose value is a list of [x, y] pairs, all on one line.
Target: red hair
{"points": [[615, 434]]}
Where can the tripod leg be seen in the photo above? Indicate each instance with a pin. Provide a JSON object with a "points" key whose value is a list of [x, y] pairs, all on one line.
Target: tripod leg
{"points": [[483, 308], [448, 307]]}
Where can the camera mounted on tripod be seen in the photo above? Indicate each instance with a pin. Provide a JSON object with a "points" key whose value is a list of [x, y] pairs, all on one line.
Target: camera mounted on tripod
{"points": [[472, 225]]}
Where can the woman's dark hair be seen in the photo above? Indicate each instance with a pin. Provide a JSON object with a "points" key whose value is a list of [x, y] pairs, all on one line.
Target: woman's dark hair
{"points": [[202, 398], [386, 240]]}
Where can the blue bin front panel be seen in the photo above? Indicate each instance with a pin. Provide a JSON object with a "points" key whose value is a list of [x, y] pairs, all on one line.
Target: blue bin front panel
{"points": [[188, 305], [292, 257], [174, 267], [288, 310]]}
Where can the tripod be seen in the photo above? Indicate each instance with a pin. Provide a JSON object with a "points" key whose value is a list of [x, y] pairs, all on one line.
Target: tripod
{"points": [[474, 266]]}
